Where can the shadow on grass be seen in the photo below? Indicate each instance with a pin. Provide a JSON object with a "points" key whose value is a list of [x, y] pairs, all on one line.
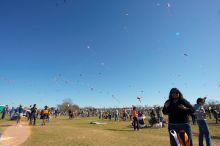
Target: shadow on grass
{"points": [[120, 130], [5, 125], [213, 136]]}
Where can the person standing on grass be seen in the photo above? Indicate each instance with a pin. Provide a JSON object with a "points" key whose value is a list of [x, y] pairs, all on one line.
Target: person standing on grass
{"points": [[28, 113], [12, 112], [20, 114], [135, 120], [202, 122], [210, 112], [49, 115], [215, 114], [116, 115], [4, 112], [161, 117], [45, 115], [33, 115], [124, 114], [178, 110], [56, 113]]}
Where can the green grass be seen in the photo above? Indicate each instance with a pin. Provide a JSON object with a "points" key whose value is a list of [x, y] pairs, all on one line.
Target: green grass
{"points": [[78, 132]]}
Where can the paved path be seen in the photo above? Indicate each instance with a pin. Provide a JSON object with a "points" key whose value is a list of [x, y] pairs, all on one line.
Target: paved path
{"points": [[15, 135]]}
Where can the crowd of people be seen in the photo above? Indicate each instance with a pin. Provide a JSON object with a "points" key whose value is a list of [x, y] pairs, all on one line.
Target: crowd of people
{"points": [[32, 114], [178, 109]]}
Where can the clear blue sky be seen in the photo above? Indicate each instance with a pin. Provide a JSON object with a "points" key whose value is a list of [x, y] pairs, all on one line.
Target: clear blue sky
{"points": [[107, 52]]}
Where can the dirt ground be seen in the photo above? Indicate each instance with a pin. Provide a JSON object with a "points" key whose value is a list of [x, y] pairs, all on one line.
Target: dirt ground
{"points": [[15, 135]]}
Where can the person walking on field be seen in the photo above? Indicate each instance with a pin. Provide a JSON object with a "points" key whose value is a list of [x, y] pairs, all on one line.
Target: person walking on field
{"points": [[135, 120], [20, 114], [202, 122], [178, 110]]}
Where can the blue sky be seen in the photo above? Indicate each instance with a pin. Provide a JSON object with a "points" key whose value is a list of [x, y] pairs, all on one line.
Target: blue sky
{"points": [[107, 53]]}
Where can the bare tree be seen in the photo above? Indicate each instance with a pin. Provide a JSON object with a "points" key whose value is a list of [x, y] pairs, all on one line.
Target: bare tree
{"points": [[66, 105]]}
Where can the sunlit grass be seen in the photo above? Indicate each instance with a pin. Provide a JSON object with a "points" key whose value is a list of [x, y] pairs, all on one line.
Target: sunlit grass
{"points": [[62, 131]]}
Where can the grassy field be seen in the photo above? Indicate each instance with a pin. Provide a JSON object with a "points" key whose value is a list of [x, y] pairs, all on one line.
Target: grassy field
{"points": [[65, 132], [78, 132]]}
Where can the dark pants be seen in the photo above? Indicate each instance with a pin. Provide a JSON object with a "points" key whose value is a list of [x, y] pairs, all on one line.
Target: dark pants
{"points": [[204, 131], [33, 117], [29, 116], [216, 117], [3, 115], [116, 117], [193, 119], [136, 124], [177, 127]]}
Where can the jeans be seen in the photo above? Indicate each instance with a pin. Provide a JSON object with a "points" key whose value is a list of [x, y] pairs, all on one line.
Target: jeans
{"points": [[204, 131], [177, 127], [136, 123], [116, 117], [33, 117]]}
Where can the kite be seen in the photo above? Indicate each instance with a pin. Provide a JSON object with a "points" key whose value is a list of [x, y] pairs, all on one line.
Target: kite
{"points": [[177, 33], [125, 12], [168, 5], [115, 98], [139, 98]]}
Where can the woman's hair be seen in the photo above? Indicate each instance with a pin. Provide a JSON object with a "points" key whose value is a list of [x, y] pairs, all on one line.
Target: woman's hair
{"points": [[175, 90], [199, 100]]}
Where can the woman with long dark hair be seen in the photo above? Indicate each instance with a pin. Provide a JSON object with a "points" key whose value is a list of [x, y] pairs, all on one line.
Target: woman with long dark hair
{"points": [[178, 110]]}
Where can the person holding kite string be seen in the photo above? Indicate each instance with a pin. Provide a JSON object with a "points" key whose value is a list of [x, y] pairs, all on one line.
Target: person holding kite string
{"points": [[178, 110]]}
